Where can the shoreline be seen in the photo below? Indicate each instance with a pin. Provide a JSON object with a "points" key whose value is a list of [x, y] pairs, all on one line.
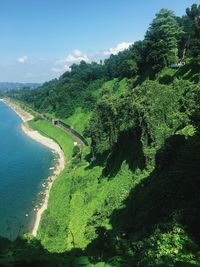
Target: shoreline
{"points": [[58, 168]]}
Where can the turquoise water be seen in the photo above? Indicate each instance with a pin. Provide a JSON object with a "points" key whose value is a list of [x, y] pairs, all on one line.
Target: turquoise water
{"points": [[24, 165]]}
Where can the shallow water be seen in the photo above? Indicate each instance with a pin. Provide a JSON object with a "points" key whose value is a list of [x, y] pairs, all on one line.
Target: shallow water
{"points": [[24, 165]]}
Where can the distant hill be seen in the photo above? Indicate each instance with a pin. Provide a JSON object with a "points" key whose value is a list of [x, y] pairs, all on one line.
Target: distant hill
{"points": [[7, 86]]}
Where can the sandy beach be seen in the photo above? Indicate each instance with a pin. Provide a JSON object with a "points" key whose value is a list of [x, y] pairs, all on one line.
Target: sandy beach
{"points": [[25, 116], [35, 135]]}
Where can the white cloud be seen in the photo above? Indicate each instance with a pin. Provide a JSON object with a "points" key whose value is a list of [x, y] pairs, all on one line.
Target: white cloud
{"points": [[120, 47], [39, 70], [23, 59], [77, 56]]}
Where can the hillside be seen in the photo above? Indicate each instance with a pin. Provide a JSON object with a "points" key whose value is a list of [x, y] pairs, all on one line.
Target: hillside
{"points": [[130, 198]]}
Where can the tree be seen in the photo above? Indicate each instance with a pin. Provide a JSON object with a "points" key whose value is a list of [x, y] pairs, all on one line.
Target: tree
{"points": [[193, 25], [128, 68], [161, 47]]}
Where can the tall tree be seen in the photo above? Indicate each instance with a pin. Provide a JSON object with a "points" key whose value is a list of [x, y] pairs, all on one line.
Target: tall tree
{"points": [[193, 25], [161, 41]]}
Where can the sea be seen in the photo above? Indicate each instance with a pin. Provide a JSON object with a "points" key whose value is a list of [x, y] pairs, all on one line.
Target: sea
{"points": [[24, 166]]}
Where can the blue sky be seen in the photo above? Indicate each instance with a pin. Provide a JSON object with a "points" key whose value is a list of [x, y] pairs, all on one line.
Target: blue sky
{"points": [[41, 38]]}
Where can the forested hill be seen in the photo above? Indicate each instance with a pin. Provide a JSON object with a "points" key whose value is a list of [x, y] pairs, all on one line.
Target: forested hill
{"points": [[132, 197], [169, 41]]}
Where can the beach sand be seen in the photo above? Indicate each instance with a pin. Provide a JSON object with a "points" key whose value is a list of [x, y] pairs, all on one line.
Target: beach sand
{"points": [[35, 135], [25, 116]]}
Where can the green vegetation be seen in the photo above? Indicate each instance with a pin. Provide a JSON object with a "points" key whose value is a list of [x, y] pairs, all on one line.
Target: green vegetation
{"points": [[162, 41], [132, 197], [60, 136], [78, 120]]}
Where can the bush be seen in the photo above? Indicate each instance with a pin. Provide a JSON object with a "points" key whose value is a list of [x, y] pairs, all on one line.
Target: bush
{"points": [[76, 150]]}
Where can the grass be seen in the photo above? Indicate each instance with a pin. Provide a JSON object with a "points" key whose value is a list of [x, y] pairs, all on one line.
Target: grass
{"points": [[122, 87], [52, 229], [57, 134], [78, 120], [115, 86], [94, 202], [167, 75], [77, 200]]}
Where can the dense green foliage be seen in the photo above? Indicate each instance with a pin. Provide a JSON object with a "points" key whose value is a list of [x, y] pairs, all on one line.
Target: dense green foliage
{"points": [[147, 108], [161, 41], [191, 25], [131, 198]]}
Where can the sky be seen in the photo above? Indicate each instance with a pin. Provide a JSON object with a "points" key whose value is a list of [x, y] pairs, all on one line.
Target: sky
{"points": [[40, 39]]}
